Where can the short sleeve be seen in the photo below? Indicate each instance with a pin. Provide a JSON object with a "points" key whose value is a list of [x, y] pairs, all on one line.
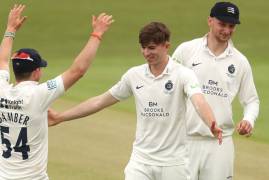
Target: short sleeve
{"points": [[51, 90], [177, 55], [191, 83], [122, 90], [4, 77]]}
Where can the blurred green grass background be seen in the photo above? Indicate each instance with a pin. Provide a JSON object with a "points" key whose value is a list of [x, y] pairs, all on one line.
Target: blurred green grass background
{"points": [[59, 29]]}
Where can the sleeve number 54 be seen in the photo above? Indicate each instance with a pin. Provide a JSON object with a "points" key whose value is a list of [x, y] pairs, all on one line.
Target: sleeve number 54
{"points": [[21, 144]]}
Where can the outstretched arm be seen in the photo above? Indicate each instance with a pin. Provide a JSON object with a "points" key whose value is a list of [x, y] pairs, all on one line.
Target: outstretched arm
{"points": [[82, 62], [15, 20], [206, 114], [85, 108]]}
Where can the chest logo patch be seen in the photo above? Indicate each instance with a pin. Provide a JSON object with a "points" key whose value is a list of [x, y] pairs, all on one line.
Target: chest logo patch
{"points": [[169, 85], [231, 69]]}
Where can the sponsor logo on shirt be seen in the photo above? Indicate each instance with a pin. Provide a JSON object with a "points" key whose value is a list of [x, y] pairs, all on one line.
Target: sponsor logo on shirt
{"points": [[154, 110], [138, 87], [211, 82], [212, 88], [51, 84], [11, 104], [195, 64], [12, 117]]}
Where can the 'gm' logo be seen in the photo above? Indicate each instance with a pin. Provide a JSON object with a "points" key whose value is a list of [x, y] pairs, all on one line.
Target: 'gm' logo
{"points": [[211, 82], [152, 104]]}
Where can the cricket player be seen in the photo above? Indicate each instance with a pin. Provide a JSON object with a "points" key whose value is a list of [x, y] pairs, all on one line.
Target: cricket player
{"points": [[223, 73], [24, 106], [160, 88]]}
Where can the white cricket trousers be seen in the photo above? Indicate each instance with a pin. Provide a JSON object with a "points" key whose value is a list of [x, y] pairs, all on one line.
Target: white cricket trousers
{"points": [[139, 171], [209, 160]]}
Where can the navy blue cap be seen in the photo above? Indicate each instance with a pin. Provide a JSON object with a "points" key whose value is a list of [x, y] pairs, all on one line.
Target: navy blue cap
{"points": [[226, 12], [27, 60]]}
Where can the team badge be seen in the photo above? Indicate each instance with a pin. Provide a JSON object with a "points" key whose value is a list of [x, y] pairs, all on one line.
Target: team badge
{"points": [[51, 84], [169, 85], [231, 10], [231, 69]]}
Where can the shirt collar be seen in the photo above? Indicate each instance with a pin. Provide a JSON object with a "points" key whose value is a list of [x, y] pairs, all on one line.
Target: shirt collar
{"points": [[167, 70], [227, 52]]}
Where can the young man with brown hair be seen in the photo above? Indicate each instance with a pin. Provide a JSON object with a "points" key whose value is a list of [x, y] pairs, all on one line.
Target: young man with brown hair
{"points": [[160, 88]]}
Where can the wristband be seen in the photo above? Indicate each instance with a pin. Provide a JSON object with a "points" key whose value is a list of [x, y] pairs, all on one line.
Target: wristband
{"points": [[10, 34], [93, 34]]}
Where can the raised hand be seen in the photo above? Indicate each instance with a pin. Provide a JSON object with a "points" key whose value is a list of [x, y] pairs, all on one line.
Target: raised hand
{"points": [[101, 23], [15, 18]]}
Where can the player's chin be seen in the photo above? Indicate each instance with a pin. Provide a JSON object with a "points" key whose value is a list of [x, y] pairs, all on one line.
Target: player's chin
{"points": [[150, 61], [224, 37]]}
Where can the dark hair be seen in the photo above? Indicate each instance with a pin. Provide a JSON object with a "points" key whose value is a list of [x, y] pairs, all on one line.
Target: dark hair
{"points": [[155, 32], [22, 76]]}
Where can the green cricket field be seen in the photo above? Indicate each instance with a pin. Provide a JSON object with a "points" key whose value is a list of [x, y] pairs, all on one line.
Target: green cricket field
{"points": [[98, 147]]}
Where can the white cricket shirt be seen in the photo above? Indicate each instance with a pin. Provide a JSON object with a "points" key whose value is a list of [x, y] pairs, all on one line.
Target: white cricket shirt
{"points": [[221, 78], [24, 127], [160, 107]]}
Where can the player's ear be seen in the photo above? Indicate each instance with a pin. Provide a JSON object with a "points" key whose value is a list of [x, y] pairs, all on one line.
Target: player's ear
{"points": [[36, 74], [209, 21], [37, 70], [167, 44]]}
